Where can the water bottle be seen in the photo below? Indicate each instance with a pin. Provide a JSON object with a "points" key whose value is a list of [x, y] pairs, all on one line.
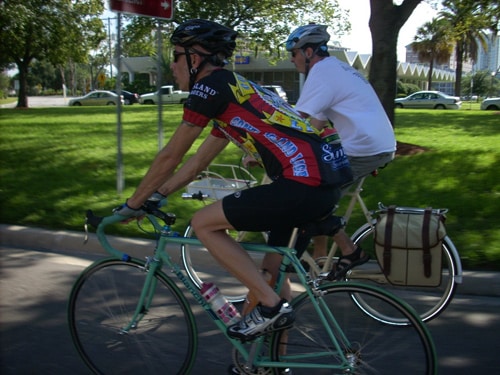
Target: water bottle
{"points": [[330, 135], [225, 309]]}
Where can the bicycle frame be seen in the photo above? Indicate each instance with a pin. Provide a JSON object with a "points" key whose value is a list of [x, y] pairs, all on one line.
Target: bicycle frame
{"points": [[162, 258], [315, 269]]}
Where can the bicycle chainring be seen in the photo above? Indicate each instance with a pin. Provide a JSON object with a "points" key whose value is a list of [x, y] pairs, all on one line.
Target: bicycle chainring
{"points": [[239, 363]]}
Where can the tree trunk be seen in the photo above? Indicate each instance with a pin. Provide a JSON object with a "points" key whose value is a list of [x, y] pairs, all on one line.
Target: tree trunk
{"points": [[429, 79], [386, 20], [22, 99], [458, 72]]}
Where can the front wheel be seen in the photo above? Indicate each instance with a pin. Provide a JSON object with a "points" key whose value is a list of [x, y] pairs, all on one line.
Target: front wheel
{"points": [[101, 306], [427, 301], [349, 341]]}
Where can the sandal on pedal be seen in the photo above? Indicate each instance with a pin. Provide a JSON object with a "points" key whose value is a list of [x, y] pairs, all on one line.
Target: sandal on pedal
{"points": [[348, 262]]}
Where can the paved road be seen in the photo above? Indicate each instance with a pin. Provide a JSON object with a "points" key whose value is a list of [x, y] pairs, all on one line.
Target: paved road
{"points": [[43, 101], [34, 338]]}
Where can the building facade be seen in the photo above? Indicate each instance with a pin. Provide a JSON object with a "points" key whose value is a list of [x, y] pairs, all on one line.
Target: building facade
{"points": [[282, 72], [489, 59]]}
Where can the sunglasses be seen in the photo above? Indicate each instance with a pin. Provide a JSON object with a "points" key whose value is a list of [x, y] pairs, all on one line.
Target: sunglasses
{"points": [[177, 54], [294, 52]]}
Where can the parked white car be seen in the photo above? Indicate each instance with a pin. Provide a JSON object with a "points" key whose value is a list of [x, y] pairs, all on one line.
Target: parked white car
{"points": [[491, 104], [168, 96], [429, 100]]}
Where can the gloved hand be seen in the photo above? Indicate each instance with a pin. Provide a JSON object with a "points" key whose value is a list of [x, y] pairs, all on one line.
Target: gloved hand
{"points": [[127, 211], [158, 199]]}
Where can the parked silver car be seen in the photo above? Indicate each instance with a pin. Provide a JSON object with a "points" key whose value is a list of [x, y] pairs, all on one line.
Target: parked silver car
{"points": [[491, 104], [429, 100], [97, 97]]}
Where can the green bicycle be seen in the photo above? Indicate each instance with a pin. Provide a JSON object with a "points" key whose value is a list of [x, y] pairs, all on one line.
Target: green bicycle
{"points": [[128, 316]]}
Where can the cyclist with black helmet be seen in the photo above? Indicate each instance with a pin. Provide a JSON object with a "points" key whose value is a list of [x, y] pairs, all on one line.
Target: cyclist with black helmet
{"points": [[306, 172], [336, 93]]}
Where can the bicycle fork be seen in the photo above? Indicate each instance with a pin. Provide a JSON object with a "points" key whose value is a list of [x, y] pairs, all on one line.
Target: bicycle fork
{"points": [[343, 346], [147, 294]]}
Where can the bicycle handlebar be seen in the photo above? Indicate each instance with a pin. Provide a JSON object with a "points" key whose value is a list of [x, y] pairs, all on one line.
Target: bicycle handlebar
{"points": [[100, 223], [197, 196], [148, 208]]}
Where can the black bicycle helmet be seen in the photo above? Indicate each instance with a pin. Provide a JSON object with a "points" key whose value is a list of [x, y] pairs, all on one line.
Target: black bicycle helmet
{"points": [[214, 37]]}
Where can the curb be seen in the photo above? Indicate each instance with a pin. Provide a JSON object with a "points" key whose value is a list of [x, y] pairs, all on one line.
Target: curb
{"points": [[484, 283], [68, 241]]}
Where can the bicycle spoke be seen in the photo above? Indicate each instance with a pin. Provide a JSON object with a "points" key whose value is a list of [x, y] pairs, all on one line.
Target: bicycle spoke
{"points": [[101, 311], [371, 347], [429, 302]]}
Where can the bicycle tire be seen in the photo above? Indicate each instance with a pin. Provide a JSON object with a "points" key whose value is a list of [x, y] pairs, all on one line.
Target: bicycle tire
{"points": [[200, 267], [427, 301], [371, 347], [101, 303]]}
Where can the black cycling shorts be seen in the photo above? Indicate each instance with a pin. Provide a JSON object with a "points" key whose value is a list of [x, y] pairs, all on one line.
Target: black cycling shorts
{"points": [[278, 207]]}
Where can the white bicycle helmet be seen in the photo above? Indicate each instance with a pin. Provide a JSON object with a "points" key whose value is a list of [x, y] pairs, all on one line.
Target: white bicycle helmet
{"points": [[307, 34]]}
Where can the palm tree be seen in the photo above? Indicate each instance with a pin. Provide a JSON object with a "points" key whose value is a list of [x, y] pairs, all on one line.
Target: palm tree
{"points": [[468, 20], [432, 44]]}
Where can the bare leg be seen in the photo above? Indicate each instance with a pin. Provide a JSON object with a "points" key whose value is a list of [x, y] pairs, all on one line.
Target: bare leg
{"points": [[271, 263], [210, 224], [344, 242], [320, 247]]}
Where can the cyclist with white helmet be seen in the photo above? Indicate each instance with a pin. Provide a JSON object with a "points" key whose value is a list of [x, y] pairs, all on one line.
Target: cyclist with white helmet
{"points": [[305, 171], [336, 93]]}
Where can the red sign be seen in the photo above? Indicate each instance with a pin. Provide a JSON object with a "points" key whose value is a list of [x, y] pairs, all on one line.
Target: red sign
{"points": [[151, 8]]}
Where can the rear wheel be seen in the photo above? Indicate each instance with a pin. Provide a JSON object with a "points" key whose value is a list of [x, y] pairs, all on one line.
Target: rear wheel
{"points": [[364, 345], [427, 301]]}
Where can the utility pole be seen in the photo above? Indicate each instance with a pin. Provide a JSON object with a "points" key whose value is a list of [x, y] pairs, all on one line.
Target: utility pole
{"points": [[110, 49]]}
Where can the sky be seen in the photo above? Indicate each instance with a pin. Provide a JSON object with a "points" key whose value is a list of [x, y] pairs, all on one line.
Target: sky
{"points": [[359, 39]]}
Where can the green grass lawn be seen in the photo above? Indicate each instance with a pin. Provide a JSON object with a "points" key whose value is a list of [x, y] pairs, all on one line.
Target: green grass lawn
{"points": [[57, 162], [8, 100]]}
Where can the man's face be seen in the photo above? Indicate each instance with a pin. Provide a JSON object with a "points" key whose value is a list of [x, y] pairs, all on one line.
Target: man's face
{"points": [[179, 67], [298, 59]]}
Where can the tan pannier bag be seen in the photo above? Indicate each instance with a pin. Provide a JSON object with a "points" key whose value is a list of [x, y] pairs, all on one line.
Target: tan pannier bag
{"points": [[408, 245]]}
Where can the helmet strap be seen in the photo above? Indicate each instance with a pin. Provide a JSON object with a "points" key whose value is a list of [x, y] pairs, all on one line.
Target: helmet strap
{"points": [[307, 61], [193, 72]]}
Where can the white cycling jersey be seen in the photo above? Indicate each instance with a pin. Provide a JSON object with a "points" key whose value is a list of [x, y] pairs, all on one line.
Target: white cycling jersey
{"points": [[337, 92]]}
